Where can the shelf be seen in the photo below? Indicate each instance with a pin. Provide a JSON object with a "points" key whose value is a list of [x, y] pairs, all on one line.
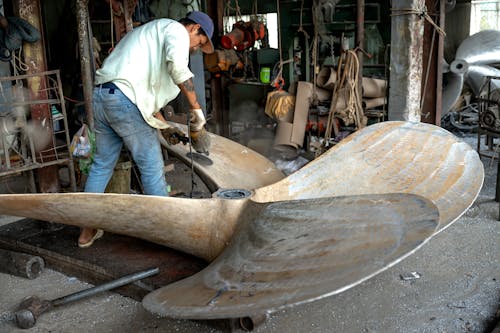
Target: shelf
{"points": [[18, 151], [35, 102]]}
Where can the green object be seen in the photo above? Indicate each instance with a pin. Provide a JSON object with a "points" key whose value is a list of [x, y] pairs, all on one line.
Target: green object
{"points": [[85, 163], [265, 75]]}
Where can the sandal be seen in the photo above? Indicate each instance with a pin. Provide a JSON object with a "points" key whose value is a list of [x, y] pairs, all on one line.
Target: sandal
{"points": [[97, 235]]}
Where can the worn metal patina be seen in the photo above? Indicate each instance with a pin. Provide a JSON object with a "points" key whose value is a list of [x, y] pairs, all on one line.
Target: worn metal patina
{"points": [[360, 208]]}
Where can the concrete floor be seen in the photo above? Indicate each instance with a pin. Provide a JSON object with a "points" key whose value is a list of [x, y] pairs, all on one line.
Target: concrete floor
{"points": [[458, 291]]}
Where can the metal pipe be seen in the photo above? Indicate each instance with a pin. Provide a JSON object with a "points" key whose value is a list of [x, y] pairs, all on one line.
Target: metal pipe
{"points": [[31, 308], [21, 264], [82, 18], [104, 287]]}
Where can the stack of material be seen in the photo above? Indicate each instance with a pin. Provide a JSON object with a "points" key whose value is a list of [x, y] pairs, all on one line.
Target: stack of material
{"points": [[374, 92], [291, 112], [291, 128]]}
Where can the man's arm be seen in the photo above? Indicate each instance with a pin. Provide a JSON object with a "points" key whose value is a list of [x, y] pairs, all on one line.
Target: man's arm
{"points": [[199, 138], [197, 118], [187, 88]]}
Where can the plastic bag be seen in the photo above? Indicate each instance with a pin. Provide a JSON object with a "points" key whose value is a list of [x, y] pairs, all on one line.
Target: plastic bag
{"points": [[80, 144]]}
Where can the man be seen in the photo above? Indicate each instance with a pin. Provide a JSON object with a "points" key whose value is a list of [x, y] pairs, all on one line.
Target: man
{"points": [[146, 70]]}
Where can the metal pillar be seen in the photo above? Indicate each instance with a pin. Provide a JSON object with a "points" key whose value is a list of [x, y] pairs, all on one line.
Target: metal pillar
{"points": [[406, 61], [34, 58]]}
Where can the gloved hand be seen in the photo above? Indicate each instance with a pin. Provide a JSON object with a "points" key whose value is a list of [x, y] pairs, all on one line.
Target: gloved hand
{"points": [[201, 141], [173, 135], [197, 120]]}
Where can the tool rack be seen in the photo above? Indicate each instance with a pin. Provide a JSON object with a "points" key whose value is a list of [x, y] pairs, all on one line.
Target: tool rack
{"points": [[18, 153]]}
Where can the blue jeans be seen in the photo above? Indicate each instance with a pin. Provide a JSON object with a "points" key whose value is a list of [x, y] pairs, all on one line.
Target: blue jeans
{"points": [[117, 121]]}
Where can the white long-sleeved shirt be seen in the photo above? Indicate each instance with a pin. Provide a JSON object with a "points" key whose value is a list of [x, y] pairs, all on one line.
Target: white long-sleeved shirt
{"points": [[148, 64]]}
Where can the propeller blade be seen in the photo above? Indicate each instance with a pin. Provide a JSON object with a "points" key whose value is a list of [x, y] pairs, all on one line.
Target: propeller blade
{"points": [[358, 209], [229, 165], [454, 81], [476, 78], [482, 48], [201, 227], [299, 251], [390, 157], [451, 91]]}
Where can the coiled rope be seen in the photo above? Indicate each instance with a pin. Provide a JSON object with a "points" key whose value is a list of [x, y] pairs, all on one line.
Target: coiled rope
{"points": [[352, 113]]}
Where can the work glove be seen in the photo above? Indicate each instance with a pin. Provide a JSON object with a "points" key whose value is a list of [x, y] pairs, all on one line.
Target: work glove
{"points": [[197, 120], [173, 135], [201, 141], [199, 136]]}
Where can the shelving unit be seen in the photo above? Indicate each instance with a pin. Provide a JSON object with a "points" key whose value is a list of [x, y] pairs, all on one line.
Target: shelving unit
{"points": [[21, 135]]}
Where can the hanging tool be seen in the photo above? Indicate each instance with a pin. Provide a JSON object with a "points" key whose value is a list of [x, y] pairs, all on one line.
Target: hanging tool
{"points": [[31, 308]]}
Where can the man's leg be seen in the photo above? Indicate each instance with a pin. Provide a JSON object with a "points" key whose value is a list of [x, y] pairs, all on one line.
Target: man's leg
{"points": [[108, 147], [143, 143], [146, 151], [108, 143]]}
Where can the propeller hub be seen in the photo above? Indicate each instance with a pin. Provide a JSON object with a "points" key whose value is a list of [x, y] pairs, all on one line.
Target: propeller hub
{"points": [[459, 66], [233, 194]]}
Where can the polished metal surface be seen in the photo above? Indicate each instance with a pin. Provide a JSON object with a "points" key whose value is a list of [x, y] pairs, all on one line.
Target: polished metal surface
{"points": [[452, 90], [477, 79], [472, 64], [481, 48]]}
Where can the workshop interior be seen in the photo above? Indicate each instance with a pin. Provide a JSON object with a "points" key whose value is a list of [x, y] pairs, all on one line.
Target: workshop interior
{"points": [[336, 152]]}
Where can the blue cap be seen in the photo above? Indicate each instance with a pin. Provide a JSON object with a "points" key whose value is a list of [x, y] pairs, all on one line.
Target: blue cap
{"points": [[207, 25]]}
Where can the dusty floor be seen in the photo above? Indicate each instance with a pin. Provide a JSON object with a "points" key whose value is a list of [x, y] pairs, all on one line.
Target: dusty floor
{"points": [[458, 291]]}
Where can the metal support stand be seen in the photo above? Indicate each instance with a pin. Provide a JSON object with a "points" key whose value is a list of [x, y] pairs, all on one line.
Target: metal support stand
{"points": [[18, 152]]}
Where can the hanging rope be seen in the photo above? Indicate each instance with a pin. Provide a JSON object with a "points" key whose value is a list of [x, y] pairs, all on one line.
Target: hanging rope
{"points": [[236, 9], [314, 51], [278, 81], [18, 65], [420, 11], [228, 10], [301, 27], [255, 9], [351, 112]]}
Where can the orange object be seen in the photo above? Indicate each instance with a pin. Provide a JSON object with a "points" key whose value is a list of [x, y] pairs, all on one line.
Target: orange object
{"points": [[243, 35]]}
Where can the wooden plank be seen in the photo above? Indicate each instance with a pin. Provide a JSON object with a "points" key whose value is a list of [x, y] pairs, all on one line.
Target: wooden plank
{"points": [[112, 257]]}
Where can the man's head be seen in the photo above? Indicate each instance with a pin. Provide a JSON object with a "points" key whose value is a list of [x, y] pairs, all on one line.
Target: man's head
{"points": [[200, 28]]}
